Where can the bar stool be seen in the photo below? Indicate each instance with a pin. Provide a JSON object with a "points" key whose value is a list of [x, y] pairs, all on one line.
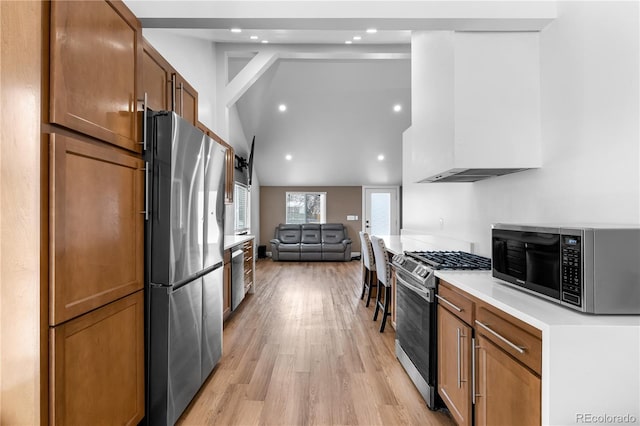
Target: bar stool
{"points": [[384, 279], [369, 264]]}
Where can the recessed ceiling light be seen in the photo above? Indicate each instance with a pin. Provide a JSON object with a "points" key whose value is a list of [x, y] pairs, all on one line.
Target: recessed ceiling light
{"points": [[282, 107], [397, 107], [357, 38], [253, 37], [288, 157], [348, 42], [380, 157], [265, 41], [236, 30], [371, 31]]}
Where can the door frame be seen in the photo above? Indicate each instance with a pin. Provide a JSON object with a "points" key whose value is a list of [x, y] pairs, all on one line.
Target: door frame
{"points": [[395, 228]]}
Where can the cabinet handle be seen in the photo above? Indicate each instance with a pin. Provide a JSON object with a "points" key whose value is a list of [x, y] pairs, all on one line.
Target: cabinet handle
{"points": [[449, 303], [519, 349], [473, 370], [146, 191], [459, 358], [181, 99], [173, 92]]}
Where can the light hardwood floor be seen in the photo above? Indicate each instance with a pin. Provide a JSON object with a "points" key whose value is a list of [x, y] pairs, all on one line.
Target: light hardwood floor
{"points": [[303, 350]]}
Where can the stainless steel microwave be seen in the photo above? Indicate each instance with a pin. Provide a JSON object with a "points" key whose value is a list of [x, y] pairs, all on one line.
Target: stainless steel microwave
{"points": [[590, 269]]}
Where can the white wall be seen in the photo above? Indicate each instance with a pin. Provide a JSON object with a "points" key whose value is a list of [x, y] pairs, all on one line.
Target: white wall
{"points": [[195, 60], [590, 137]]}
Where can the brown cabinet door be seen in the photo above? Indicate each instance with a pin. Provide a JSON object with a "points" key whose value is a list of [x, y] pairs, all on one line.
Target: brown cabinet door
{"points": [[248, 265], [185, 99], [94, 70], [97, 366], [508, 393], [156, 78], [454, 365], [96, 226]]}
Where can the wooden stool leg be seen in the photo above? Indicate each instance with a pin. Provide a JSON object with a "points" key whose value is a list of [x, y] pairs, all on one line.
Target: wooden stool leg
{"points": [[385, 311], [365, 278], [372, 277], [378, 303]]}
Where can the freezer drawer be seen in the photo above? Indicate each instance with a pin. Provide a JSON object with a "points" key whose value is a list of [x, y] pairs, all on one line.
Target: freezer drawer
{"points": [[211, 321], [175, 350]]}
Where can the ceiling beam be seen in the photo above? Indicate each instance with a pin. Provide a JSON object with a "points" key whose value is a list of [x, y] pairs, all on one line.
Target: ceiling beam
{"points": [[248, 75]]}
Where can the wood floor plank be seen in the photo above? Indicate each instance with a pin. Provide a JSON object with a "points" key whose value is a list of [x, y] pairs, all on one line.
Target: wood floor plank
{"points": [[303, 350]]}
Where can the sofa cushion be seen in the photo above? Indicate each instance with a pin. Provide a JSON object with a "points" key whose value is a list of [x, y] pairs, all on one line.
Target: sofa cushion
{"points": [[310, 234], [288, 234], [289, 247], [333, 233], [337, 247]]}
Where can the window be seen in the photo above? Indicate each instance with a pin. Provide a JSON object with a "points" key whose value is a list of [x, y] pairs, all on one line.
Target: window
{"points": [[241, 206], [306, 207]]}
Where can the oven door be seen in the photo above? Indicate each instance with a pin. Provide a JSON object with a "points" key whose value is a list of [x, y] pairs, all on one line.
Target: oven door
{"points": [[416, 330]]}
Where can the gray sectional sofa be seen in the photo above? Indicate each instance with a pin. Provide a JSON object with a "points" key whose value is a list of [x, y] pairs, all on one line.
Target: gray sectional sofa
{"points": [[311, 242]]}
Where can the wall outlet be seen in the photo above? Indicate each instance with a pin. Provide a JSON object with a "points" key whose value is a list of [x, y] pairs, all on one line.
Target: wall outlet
{"points": [[352, 217]]}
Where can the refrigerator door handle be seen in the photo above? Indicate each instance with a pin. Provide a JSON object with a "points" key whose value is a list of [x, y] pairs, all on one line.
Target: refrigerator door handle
{"points": [[146, 191], [144, 123]]}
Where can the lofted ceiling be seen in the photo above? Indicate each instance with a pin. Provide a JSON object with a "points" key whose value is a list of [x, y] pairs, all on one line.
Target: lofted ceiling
{"points": [[339, 117]]}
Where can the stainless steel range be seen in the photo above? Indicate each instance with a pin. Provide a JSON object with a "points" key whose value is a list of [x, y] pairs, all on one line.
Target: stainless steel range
{"points": [[416, 311]]}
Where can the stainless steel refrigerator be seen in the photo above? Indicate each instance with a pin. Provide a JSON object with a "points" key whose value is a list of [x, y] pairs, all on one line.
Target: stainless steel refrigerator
{"points": [[185, 243]]}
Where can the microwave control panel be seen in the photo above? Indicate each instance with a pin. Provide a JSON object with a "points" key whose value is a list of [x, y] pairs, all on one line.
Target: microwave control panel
{"points": [[571, 270]]}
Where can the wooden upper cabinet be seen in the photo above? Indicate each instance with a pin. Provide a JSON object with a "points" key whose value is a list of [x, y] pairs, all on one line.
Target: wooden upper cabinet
{"points": [[185, 99], [97, 366], [94, 70], [96, 226], [229, 162], [156, 78]]}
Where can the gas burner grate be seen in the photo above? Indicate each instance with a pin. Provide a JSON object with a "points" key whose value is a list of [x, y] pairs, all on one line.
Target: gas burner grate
{"points": [[452, 260]]}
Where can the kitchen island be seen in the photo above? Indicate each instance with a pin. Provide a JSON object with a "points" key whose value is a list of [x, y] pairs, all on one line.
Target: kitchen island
{"points": [[590, 363]]}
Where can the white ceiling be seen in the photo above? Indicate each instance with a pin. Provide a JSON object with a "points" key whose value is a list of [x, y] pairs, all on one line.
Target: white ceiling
{"points": [[339, 119], [339, 114]]}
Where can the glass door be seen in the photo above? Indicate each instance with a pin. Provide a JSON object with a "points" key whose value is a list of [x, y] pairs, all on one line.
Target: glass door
{"points": [[381, 210]]}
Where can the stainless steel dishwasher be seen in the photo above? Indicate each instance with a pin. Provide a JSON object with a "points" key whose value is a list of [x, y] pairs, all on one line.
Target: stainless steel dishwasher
{"points": [[237, 277]]}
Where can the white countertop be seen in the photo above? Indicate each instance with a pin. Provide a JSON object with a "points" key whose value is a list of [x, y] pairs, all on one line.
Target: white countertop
{"points": [[234, 240], [531, 309], [398, 244]]}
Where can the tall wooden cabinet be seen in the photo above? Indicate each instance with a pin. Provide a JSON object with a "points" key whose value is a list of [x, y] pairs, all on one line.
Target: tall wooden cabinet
{"points": [[95, 223], [96, 243], [97, 366]]}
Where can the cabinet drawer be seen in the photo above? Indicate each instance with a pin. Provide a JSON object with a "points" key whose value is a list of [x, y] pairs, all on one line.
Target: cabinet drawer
{"points": [[96, 226], [455, 302], [520, 340], [97, 366]]}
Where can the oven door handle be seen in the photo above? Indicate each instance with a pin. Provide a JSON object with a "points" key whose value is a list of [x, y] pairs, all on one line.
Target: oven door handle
{"points": [[425, 294]]}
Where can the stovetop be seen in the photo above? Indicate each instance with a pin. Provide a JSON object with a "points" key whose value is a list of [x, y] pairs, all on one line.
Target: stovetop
{"points": [[451, 260]]}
